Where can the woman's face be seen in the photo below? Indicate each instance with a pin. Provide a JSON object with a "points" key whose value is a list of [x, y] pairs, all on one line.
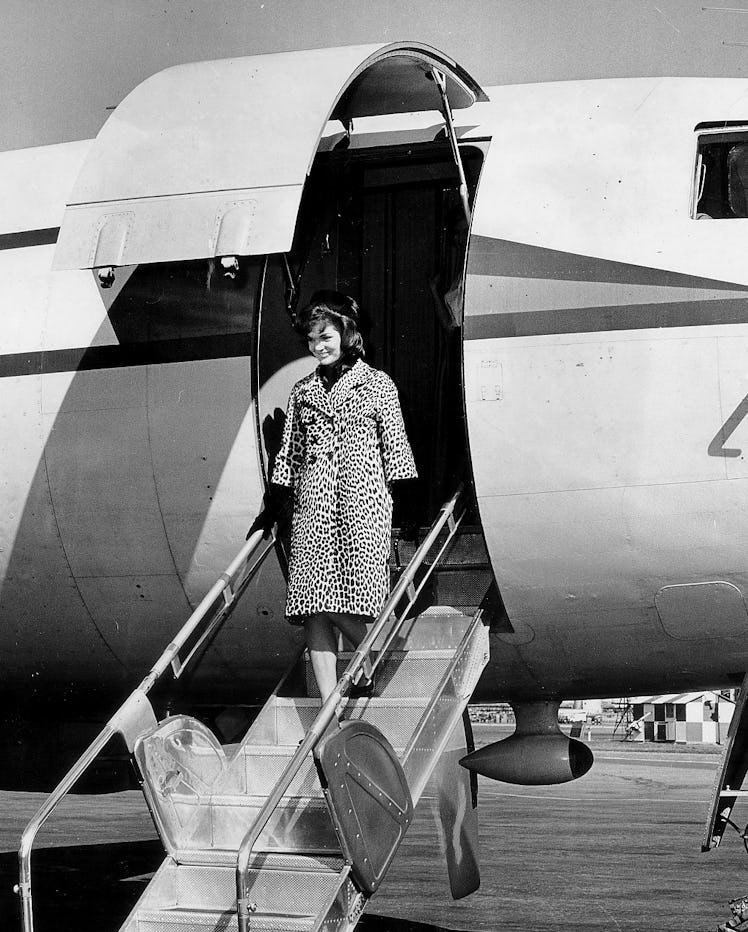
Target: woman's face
{"points": [[324, 343]]}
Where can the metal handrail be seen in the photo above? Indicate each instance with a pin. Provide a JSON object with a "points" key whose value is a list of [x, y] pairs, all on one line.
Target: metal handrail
{"points": [[136, 709], [327, 712]]}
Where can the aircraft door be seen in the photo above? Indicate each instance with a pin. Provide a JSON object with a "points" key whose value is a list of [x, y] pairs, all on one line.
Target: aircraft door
{"points": [[386, 226], [210, 159]]}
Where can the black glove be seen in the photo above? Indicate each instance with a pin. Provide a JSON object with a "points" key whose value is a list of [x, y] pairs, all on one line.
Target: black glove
{"points": [[274, 509], [407, 510]]}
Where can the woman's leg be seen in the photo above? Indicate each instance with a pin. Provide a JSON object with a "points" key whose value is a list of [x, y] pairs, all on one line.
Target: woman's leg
{"points": [[321, 641], [353, 628]]}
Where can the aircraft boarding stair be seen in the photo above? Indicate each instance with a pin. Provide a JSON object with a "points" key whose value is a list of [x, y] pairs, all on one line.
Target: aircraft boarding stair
{"points": [[294, 827]]}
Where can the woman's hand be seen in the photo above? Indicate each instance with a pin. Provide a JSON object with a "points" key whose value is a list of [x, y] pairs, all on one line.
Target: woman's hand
{"points": [[274, 507]]}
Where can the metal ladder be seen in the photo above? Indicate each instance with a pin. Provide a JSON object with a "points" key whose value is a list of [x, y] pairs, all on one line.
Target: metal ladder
{"points": [[294, 827]]}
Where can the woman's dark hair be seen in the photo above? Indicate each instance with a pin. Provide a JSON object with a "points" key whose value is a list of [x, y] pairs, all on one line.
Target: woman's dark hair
{"points": [[338, 309]]}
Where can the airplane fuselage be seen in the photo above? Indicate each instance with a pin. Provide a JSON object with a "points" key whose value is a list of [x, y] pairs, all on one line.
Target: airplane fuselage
{"points": [[604, 389]]}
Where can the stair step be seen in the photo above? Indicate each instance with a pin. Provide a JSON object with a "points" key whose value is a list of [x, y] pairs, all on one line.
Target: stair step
{"points": [[268, 860], [287, 720], [463, 587], [256, 768], [209, 920], [440, 627], [292, 891], [300, 824], [401, 674], [468, 546]]}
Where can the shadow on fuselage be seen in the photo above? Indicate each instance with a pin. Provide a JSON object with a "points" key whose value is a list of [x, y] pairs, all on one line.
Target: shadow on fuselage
{"points": [[146, 477]]}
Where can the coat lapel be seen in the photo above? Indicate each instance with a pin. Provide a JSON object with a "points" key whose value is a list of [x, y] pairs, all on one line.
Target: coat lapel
{"points": [[315, 396], [348, 384]]}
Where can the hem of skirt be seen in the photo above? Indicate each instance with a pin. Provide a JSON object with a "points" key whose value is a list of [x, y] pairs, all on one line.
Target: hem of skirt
{"points": [[298, 620]]}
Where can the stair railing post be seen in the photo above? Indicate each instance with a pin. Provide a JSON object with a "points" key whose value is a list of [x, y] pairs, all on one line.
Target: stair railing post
{"points": [[23, 888]]}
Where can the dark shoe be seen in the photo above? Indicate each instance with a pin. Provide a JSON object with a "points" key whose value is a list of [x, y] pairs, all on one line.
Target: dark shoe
{"points": [[364, 687]]}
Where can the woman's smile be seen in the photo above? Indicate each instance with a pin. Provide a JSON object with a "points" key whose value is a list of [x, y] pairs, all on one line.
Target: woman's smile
{"points": [[324, 343]]}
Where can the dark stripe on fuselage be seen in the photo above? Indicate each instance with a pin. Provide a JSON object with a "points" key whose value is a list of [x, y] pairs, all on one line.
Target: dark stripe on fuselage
{"points": [[502, 259], [599, 319], [153, 352], [490, 256], [29, 238]]}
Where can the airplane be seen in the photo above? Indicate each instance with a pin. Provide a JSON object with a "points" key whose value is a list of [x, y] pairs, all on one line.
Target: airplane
{"points": [[553, 277]]}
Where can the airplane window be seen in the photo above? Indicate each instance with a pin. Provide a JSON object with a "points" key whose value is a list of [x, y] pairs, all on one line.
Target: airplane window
{"points": [[721, 178]]}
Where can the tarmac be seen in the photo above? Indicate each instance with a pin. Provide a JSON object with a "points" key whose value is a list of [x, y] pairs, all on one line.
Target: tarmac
{"points": [[617, 850]]}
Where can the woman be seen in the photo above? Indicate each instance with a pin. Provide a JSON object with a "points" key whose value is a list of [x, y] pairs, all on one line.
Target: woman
{"points": [[343, 445]]}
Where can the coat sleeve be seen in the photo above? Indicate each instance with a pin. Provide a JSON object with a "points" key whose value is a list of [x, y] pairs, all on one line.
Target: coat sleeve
{"points": [[397, 455], [291, 454]]}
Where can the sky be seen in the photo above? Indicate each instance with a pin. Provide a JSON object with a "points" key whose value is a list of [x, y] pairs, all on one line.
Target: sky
{"points": [[66, 63]]}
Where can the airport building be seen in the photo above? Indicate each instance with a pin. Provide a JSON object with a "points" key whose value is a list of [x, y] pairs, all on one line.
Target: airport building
{"points": [[683, 718]]}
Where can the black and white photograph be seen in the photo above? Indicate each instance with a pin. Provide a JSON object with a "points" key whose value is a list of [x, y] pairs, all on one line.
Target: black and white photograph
{"points": [[373, 466]]}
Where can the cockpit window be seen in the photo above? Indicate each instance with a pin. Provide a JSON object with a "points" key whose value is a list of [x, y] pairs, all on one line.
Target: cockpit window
{"points": [[721, 178]]}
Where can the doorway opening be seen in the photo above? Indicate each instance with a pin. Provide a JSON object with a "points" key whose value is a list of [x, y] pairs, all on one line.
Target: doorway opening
{"points": [[387, 226]]}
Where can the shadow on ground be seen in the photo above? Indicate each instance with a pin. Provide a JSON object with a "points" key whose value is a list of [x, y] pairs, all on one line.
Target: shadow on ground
{"points": [[92, 888]]}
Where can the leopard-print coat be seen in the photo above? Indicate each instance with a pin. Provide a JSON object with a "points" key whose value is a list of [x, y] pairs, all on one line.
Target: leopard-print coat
{"points": [[340, 451]]}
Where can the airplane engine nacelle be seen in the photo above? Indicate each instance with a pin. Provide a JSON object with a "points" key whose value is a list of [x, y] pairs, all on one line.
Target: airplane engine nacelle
{"points": [[537, 753]]}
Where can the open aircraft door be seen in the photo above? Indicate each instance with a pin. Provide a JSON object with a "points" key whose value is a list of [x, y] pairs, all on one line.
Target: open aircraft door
{"points": [[210, 158]]}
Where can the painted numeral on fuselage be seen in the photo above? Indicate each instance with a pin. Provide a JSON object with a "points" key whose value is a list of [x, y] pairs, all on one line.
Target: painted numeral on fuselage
{"points": [[717, 446]]}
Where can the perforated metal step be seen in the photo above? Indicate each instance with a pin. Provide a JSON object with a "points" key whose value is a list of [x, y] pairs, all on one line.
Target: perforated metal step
{"points": [[401, 675], [468, 546], [200, 897], [462, 576], [268, 860], [210, 920]]}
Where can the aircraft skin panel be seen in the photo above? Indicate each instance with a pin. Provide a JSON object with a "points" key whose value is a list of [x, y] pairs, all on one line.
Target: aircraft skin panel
{"points": [[596, 490], [38, 205], [590, 402], [251, 127]]}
